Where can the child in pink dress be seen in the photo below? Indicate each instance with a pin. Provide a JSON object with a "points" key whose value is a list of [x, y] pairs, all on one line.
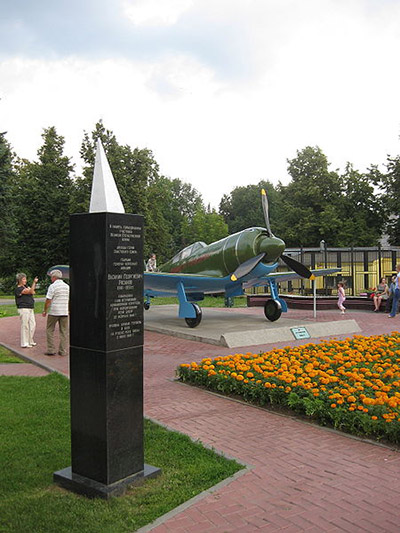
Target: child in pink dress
{"points": [[341, 297]]}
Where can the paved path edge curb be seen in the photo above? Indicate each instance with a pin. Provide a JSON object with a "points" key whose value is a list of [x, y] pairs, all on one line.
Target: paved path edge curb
{"points": [[293, 417], [161, 519], [30, 360]]}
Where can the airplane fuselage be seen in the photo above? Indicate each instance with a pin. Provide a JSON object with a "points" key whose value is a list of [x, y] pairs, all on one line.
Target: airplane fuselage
{"points": [[222, 257]]}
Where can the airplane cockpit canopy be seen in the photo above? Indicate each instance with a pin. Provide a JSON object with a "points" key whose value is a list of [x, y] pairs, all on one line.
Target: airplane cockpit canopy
{"points": [[189, 250]]}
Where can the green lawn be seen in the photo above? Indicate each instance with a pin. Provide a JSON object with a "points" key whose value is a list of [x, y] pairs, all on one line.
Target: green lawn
{"points": [[34, 442], [11, 310], [6, 356], [209, 301]]}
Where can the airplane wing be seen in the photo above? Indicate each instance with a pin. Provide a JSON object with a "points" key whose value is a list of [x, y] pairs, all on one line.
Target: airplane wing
{"points": [[287, 276], [165, 283]]}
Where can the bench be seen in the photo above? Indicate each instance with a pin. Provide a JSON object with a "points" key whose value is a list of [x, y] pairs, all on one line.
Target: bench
{"points": [[307, 302]]}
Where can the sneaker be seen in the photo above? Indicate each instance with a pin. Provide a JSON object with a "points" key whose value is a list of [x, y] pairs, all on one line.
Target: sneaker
{"points": [[32, 344], [25, 346]]}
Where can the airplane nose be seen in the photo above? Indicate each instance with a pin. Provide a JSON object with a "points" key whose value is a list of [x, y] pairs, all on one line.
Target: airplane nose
{"points": [[273, 247]]}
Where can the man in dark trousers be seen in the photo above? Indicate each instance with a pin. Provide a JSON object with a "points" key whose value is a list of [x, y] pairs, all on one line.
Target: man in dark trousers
{"points": [[57, 299]]}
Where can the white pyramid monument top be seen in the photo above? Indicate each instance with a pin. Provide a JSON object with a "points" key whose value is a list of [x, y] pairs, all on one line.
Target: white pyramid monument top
{"points": [[105, 196]]}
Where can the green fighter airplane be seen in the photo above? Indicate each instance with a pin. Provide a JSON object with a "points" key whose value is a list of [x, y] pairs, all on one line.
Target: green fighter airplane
{"points": [[245, 259]]}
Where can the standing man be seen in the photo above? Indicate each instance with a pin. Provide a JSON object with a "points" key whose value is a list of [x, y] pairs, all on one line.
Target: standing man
{"points": [[57, 298], [396, 295]]}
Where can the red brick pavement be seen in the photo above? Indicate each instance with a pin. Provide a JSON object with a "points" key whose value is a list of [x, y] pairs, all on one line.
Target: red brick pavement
{"points": [[303, 477]]}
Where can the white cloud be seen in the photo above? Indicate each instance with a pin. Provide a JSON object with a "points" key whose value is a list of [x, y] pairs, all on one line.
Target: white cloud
{"points": [[259, 80], [155, 12]]}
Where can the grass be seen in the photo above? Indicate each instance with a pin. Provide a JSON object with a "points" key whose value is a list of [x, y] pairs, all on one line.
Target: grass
{"points": [[209, 301], [11, 310], [34, 443], [6, 356], [12, 296]]}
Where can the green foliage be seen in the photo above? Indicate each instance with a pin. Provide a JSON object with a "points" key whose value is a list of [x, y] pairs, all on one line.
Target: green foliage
{"points": [[8, 229], [35, 442], [242, 208], [36, 199], [390, 184], [178, 203], [166, 205], [362, 211], [207, 226], [41, 193], [343, 210], [7, 284]]}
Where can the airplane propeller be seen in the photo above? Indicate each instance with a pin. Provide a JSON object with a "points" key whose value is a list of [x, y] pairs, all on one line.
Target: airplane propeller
{"points": [[297, 267], [266, 211], [246, 267]]}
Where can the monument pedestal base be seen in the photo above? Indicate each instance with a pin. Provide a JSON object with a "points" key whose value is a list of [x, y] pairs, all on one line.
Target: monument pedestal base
{"points": [[93, 489]]}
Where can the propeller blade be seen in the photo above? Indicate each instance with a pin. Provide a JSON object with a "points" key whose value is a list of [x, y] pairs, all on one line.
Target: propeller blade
{"points": [[245, 268], [297, 267], [266, 213]]}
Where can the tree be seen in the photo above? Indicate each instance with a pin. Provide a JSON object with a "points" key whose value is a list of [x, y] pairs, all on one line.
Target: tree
{"points": [[43, 190], [177, 202], [164, 203], [390, 184], [206, 225], [8, 230], [362, 210], [133, 171], [242, 208], [319, 204], [309, 201]]}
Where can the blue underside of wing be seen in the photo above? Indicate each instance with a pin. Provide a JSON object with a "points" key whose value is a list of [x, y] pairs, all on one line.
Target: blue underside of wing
{"points": [[165, 284]]}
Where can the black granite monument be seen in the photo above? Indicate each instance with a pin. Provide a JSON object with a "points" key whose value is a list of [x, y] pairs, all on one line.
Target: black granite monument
{"points": [[106, 355]]}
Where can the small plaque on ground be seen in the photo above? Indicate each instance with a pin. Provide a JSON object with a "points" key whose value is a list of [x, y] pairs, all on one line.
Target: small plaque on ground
{"points": [[300, 333]]}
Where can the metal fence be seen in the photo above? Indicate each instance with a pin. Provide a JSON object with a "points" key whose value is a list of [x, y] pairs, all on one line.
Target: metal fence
{"points": [[361, 268]]}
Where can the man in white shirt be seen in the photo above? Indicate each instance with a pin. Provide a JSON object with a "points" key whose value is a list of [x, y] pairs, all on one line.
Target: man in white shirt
{"points": [[57, 299]]}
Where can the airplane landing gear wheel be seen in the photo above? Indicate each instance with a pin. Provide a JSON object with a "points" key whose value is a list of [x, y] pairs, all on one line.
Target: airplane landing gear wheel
{"points": [[272, 310], [193, 322]]}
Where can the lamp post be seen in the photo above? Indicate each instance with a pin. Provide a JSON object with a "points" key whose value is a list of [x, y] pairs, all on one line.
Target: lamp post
{"points": [[324, 249]]}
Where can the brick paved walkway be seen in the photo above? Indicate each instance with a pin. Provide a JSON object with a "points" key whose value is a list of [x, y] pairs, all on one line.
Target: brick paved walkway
{"points": [[304, 478]]}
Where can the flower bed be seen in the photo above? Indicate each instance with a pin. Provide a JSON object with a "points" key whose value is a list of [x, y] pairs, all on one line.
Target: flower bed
{"points": [[352, 385]]}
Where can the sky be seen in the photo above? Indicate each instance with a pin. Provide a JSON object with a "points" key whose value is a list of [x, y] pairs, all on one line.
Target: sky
{"points": [[223, 92]]}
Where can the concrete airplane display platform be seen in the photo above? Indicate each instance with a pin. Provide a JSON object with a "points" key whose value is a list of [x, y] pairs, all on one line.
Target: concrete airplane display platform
{"points": [[235, 328]]}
